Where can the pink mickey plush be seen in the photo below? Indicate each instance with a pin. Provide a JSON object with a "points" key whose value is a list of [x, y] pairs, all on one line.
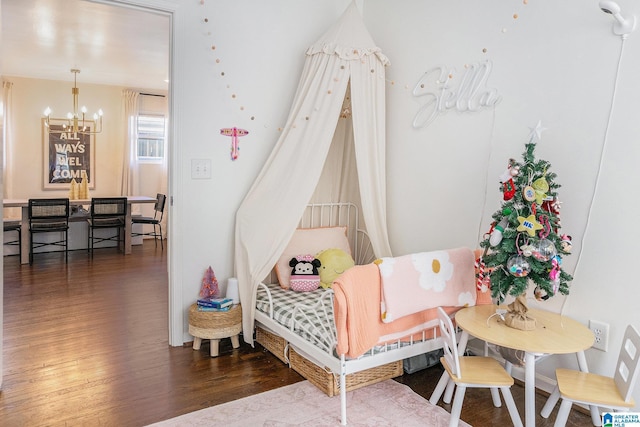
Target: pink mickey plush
{"points": [[304, 273]]}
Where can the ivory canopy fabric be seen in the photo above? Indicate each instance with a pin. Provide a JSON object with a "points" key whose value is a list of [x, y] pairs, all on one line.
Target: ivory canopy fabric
{"points": [[344, 57]]}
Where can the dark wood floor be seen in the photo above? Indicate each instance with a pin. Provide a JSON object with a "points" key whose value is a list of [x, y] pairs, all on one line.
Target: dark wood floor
{"points": [[85, 343]]}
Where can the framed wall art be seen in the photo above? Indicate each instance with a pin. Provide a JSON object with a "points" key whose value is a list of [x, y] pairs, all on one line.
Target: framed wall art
{"points": [[67, 154]]}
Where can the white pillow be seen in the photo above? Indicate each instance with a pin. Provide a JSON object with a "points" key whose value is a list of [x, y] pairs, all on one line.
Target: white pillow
{"points": [[310, 241]]}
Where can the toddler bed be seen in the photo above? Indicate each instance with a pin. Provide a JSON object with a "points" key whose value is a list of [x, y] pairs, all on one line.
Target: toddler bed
{"points": [[339, 330]]}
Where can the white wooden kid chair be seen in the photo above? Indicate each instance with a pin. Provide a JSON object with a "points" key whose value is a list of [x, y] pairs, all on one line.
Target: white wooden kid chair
{"points": [[592, 389], [470, 371]]}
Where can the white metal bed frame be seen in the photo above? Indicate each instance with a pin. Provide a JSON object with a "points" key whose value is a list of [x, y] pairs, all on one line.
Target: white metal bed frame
{"points": [[322, 353]]}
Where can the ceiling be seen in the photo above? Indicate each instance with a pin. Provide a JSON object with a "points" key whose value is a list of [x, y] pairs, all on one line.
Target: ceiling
{"points": [[112, 45]]}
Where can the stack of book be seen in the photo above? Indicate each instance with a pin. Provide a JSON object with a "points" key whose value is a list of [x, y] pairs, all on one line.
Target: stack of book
{"points": [[214, 304]]}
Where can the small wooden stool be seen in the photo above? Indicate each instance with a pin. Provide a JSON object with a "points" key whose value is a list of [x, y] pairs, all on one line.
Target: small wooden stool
{"points": [[214, 325]]}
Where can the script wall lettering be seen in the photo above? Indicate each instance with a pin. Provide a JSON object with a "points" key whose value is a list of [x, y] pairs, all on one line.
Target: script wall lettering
{"points": [[440, 89]]}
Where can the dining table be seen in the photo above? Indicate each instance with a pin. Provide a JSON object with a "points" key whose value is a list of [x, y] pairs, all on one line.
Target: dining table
{"points": [[24, 219], [554, 333]]}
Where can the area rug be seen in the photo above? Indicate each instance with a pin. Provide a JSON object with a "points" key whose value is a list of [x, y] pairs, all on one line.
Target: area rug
{"points": [[387, 403]]}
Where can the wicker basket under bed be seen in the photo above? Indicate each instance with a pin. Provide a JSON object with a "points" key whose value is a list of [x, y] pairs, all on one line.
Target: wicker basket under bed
{"points": [[321, 378], [272, 342], [330, 383]]}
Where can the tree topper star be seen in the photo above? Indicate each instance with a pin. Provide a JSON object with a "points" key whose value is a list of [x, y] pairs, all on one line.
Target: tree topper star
{"points": [[536, 132]]}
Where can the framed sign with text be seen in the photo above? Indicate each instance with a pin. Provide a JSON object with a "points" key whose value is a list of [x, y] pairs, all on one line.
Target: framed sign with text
{"points": [[67, 155]]}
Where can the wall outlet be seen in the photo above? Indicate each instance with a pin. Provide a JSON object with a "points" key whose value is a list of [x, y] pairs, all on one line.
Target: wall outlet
{"points": [[601, 332]]}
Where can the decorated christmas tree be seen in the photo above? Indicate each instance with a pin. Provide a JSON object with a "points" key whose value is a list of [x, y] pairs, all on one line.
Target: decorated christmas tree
{"points": [[209, 287], [523, 246]]}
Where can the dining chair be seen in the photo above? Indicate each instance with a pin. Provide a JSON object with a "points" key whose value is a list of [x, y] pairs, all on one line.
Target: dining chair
{"points": [[593, 389], [48, 216], [155, 220], [13, 226], [470, 371], [107, 213]]}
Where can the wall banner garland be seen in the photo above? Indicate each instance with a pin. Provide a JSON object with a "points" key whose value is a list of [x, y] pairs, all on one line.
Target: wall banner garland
{"points": [[67, 155]]}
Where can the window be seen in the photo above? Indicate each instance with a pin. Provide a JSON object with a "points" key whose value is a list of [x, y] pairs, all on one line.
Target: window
{"points": [[151, 135]]}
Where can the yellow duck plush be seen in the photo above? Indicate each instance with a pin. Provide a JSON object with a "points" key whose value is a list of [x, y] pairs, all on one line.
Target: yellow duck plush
{"points": [[333, 263]]}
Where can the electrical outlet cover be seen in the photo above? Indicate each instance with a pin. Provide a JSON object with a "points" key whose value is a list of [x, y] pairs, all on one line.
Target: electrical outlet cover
{"points": [[201, 169], [601, 332]]}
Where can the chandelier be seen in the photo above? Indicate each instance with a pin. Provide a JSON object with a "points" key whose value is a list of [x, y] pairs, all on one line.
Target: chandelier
{"points": [[76, 123]]}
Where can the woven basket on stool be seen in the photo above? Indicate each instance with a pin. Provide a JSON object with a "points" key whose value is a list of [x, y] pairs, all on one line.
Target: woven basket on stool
{"points": [[214, 325]]}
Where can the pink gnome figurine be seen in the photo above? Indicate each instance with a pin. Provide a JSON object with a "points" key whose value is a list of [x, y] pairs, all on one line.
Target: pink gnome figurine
{"points": [[209, 287]]}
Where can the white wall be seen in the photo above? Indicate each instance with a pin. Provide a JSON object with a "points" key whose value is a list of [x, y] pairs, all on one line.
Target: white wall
{"points": [[555, 63], [2, 131], [259, 47], [30, 98]]}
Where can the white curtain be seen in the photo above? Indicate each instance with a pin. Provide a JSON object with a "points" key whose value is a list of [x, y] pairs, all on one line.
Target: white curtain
{"points": [[154, 104], [8, 148], [339, 179], [164, 189], [267, 217], [130, 175], [369, 116]]}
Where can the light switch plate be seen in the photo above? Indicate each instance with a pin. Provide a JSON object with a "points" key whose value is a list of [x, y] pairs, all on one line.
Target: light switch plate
{"points": [[200, 168]]}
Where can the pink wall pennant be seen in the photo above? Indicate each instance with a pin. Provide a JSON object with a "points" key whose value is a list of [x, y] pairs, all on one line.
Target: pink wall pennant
{"points": [[234, 133]]}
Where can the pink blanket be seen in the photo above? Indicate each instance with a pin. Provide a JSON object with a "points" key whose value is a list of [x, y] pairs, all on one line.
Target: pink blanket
{"points": [[357, 297], [424, 280]]}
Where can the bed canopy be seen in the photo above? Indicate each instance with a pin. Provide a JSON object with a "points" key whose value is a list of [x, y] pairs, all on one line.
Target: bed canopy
{"points": [[332, 146]]}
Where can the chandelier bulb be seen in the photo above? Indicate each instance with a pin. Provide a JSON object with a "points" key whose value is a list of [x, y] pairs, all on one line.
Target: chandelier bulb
{"points": [[73, 118]]}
